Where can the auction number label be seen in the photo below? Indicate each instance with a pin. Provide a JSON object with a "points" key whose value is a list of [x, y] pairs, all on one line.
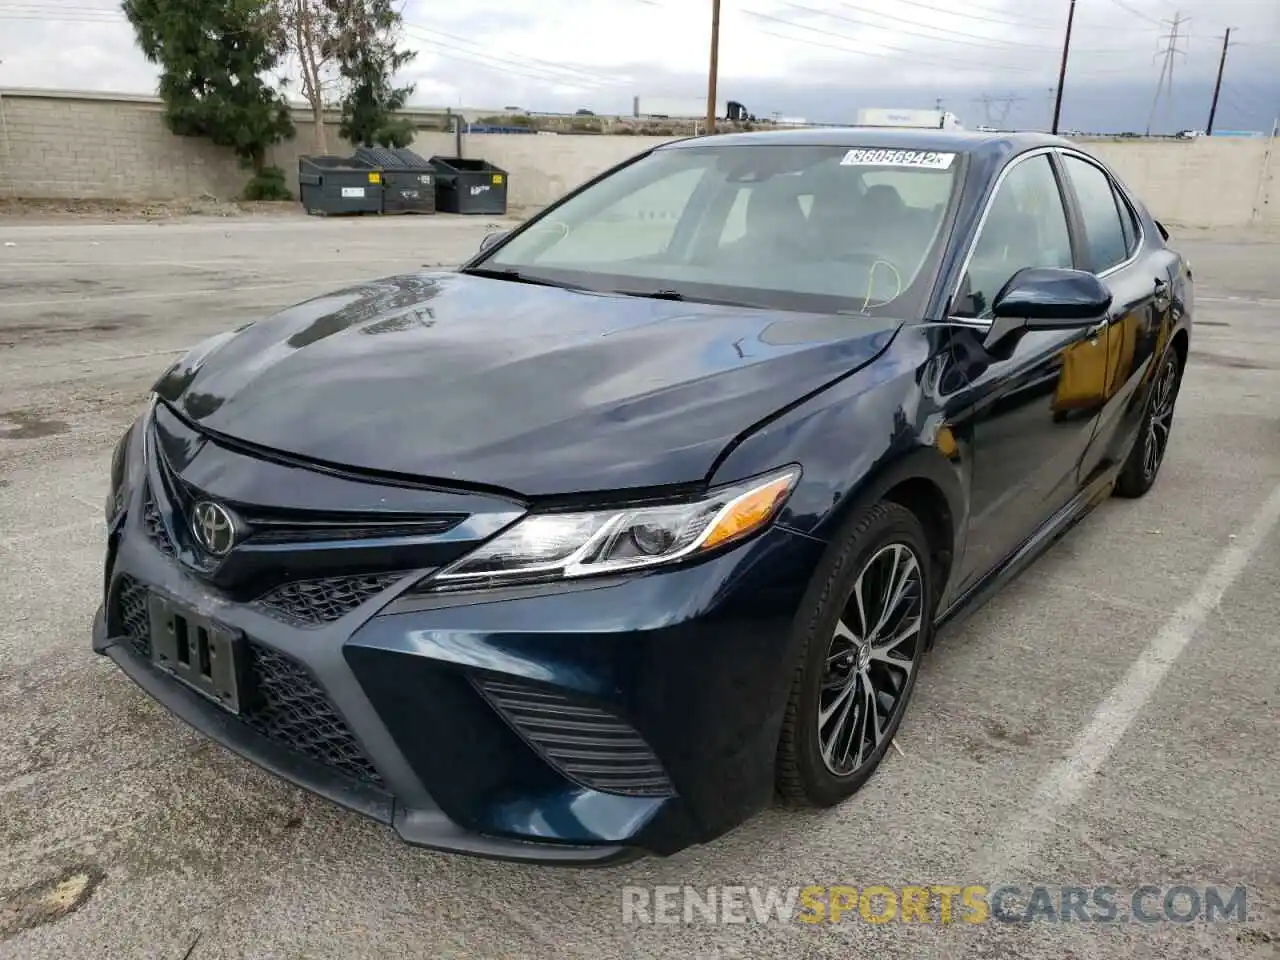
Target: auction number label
{"points": [[863, 157]]}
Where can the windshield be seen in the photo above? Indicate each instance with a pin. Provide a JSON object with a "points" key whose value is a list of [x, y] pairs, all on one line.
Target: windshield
{"points": [[803, 228]]}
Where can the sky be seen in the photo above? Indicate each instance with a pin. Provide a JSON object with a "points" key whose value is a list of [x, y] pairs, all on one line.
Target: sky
{"points": [[992, 62]]}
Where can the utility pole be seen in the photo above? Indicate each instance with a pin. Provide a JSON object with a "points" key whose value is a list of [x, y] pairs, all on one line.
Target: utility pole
{"points": [[1062, 72], [1170, 52], [715, 67], [1217, 86]]}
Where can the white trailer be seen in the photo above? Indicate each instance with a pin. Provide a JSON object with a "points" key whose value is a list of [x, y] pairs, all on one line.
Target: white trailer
{"points": [[887, 117]]}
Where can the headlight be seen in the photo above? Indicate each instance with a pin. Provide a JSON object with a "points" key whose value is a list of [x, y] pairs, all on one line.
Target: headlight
{"points": [[560, 546], [119, 474]]}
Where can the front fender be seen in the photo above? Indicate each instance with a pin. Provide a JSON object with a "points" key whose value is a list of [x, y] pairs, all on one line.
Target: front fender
{"points": [[859, 439]]}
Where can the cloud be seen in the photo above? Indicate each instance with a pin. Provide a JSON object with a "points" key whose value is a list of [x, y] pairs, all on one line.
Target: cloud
{"points": [[822, 59]]}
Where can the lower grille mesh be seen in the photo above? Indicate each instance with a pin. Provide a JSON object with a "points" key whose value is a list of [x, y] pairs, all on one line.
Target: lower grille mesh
{"points": [[290, 707], [282, 702], [586, 744], [131, 608]]}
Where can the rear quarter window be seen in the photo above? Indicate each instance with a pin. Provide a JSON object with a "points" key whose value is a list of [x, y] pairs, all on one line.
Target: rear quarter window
{"points": [[1109, 244], [1129, 223]]}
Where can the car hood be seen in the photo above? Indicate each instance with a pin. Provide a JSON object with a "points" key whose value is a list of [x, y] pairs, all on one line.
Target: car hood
{"points": [[530, 389]]}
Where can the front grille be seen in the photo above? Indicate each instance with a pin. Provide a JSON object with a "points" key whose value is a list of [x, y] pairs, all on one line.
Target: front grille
{"points": [[586, 744], [317, 602], [154, 524], [264, 530], [283, 702], [291, 708]]}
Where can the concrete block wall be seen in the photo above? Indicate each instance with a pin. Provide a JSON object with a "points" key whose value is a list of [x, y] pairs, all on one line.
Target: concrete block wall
{"points": [[544, 168], [69, 146], [1209, 182], [113, 149]]}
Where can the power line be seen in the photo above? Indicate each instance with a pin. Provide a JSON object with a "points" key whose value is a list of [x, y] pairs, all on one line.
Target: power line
{"points": [[574, 73], [951, 36], [494, 63], [997, 18], [1138, 13], [71, 14], [896, 57], [863, 41], [1249, 101], [1244, 110]]}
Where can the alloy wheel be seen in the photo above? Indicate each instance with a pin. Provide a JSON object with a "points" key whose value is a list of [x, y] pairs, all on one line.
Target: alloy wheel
{"points": [[870, 659], [1157, 440]]}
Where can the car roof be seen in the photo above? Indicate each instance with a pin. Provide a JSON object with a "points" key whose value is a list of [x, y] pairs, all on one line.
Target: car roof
{"points": [[893, 138]]}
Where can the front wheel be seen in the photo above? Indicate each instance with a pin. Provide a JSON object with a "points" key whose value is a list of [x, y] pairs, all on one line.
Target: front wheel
{"points": [[1147, 454], [864, 639]]}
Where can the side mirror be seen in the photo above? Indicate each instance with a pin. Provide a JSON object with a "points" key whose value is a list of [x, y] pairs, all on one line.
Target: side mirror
{"points": [[492, 238], [1048, 298]]}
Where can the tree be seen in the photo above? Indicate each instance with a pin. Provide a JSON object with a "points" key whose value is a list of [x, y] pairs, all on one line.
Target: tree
{"points": [[368, 59], [311, 34], [214, 58]]}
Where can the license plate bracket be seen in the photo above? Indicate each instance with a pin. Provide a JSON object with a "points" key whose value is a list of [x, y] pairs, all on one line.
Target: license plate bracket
{"points": [[197, 651]]}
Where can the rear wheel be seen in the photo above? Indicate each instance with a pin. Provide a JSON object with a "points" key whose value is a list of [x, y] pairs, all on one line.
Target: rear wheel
{"points": [[1147, 455], [864, 640]]}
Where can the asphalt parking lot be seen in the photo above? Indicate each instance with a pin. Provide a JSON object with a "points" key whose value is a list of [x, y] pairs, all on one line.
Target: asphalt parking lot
{"points": [[1112, 718]]}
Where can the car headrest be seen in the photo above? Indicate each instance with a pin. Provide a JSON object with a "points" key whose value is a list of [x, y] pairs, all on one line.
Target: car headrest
{"points": [[774, 207], [883, 202]]}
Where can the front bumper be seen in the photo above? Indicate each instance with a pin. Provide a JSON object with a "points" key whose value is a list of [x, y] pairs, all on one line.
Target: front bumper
{"points": [[454, 719]]}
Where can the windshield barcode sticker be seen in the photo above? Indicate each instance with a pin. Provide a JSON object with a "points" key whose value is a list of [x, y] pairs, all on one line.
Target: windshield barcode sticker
{"points": [[898, 158]]}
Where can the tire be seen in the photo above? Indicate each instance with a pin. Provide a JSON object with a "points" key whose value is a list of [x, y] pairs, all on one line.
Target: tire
{"points": [[832, 657], [1146, 456]]}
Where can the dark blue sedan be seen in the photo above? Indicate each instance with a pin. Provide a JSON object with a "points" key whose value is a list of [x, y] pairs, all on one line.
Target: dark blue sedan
{"points": [[652, 510]]}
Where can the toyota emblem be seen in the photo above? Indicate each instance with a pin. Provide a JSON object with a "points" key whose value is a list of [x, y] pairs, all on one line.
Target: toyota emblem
{"points": [[214, 528]]}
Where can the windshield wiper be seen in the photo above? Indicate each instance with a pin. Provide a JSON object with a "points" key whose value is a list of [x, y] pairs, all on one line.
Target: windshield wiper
{"points": [[515, 276]]}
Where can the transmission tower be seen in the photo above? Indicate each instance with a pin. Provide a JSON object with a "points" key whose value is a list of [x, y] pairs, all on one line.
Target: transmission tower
{"points": [[996, 109], [1170, 53]]}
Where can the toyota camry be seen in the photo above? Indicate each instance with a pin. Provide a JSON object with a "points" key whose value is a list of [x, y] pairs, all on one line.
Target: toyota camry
{"points": [[652, 510]]}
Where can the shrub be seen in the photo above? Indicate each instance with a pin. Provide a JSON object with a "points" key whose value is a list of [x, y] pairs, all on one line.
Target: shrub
{"points": [[267, 185]]}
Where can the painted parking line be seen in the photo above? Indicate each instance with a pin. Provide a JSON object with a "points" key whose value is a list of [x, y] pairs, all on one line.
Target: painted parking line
{"points": [[1067, 782], [1248, 301]]}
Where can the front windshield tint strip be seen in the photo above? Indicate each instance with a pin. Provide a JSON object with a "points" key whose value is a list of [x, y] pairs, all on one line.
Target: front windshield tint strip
{"points": [[823, 228]]}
